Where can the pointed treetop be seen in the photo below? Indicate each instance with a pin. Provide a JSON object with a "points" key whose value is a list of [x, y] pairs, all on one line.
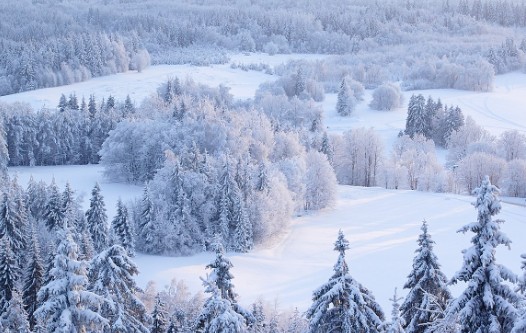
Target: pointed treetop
{"points": [[487, 198], [341, 244]]}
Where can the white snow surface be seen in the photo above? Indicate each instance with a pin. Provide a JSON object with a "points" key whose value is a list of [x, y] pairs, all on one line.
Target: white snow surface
{"points": [[381, 225]]}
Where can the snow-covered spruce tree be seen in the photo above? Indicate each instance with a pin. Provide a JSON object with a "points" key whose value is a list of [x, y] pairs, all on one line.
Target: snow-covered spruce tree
{"points": [[297, 323], [232, 220], [416, 122], [342, 304], [396, 323], [159, 316], [122, 229], [97, 220], [221, 312], [12, 224], [259, 317], [111, 276], [9, 273], [346, 101], [488, 304], [70, 208], [218, 314], [14, 318], [520, 323], [146, 226], [33, 279], [428, 292], [54, 211], [65, 303]]}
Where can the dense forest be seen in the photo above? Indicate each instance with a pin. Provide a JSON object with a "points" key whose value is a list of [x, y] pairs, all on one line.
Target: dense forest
{"points": [[61, 42]]}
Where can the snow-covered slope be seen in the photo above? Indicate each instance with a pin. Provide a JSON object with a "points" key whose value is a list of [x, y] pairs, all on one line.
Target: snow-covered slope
{"points": [[381, 225]]}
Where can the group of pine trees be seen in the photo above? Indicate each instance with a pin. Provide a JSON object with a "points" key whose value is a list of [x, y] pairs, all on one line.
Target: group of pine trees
{"points": [[432, 119], [73, 134], [65, 270], [493, 300]]}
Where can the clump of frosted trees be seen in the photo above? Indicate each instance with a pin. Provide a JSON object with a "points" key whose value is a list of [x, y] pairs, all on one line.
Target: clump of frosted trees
{"points": [[75, 278], [211, 166]]}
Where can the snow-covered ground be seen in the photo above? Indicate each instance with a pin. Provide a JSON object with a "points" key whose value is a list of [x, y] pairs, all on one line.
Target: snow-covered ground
{"points": [[382, 225], [138, 86]]}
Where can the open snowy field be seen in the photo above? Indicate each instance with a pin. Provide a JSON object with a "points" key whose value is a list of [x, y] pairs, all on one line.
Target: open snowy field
{"points": [[381, 225], [243, 84]]}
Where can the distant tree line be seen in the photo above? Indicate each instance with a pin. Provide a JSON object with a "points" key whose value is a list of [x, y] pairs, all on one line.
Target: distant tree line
{"points": [[70, 41]]}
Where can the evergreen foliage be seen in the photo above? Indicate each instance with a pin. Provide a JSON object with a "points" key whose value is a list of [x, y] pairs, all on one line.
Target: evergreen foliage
{"points": [[33, 279], [54, 212], [9, 274], [428, 292], [488, 304], [396, 323], [346, 101], [221, 312], [122, 229], [342, 304], [65, 304], [159, 317], [97, 220], [14, 318], [13, 222], [112, 278]]}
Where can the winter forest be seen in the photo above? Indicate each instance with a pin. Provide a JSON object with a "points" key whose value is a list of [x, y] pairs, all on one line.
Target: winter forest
{"points": [[224, 176]]}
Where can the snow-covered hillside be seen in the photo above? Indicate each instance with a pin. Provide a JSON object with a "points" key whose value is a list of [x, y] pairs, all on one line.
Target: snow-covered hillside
{"points": [[381, 225]]}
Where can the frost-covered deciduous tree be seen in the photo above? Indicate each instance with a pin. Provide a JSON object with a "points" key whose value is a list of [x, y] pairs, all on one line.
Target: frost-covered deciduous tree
{"points": [[321, 181], [428, 292], [512, 145], [358, 157], [474, 167], [112, 278], [488, 304], [65, 303], [342, 304], [514, 179], [413, 164], [461, 141], [386, 97]]}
